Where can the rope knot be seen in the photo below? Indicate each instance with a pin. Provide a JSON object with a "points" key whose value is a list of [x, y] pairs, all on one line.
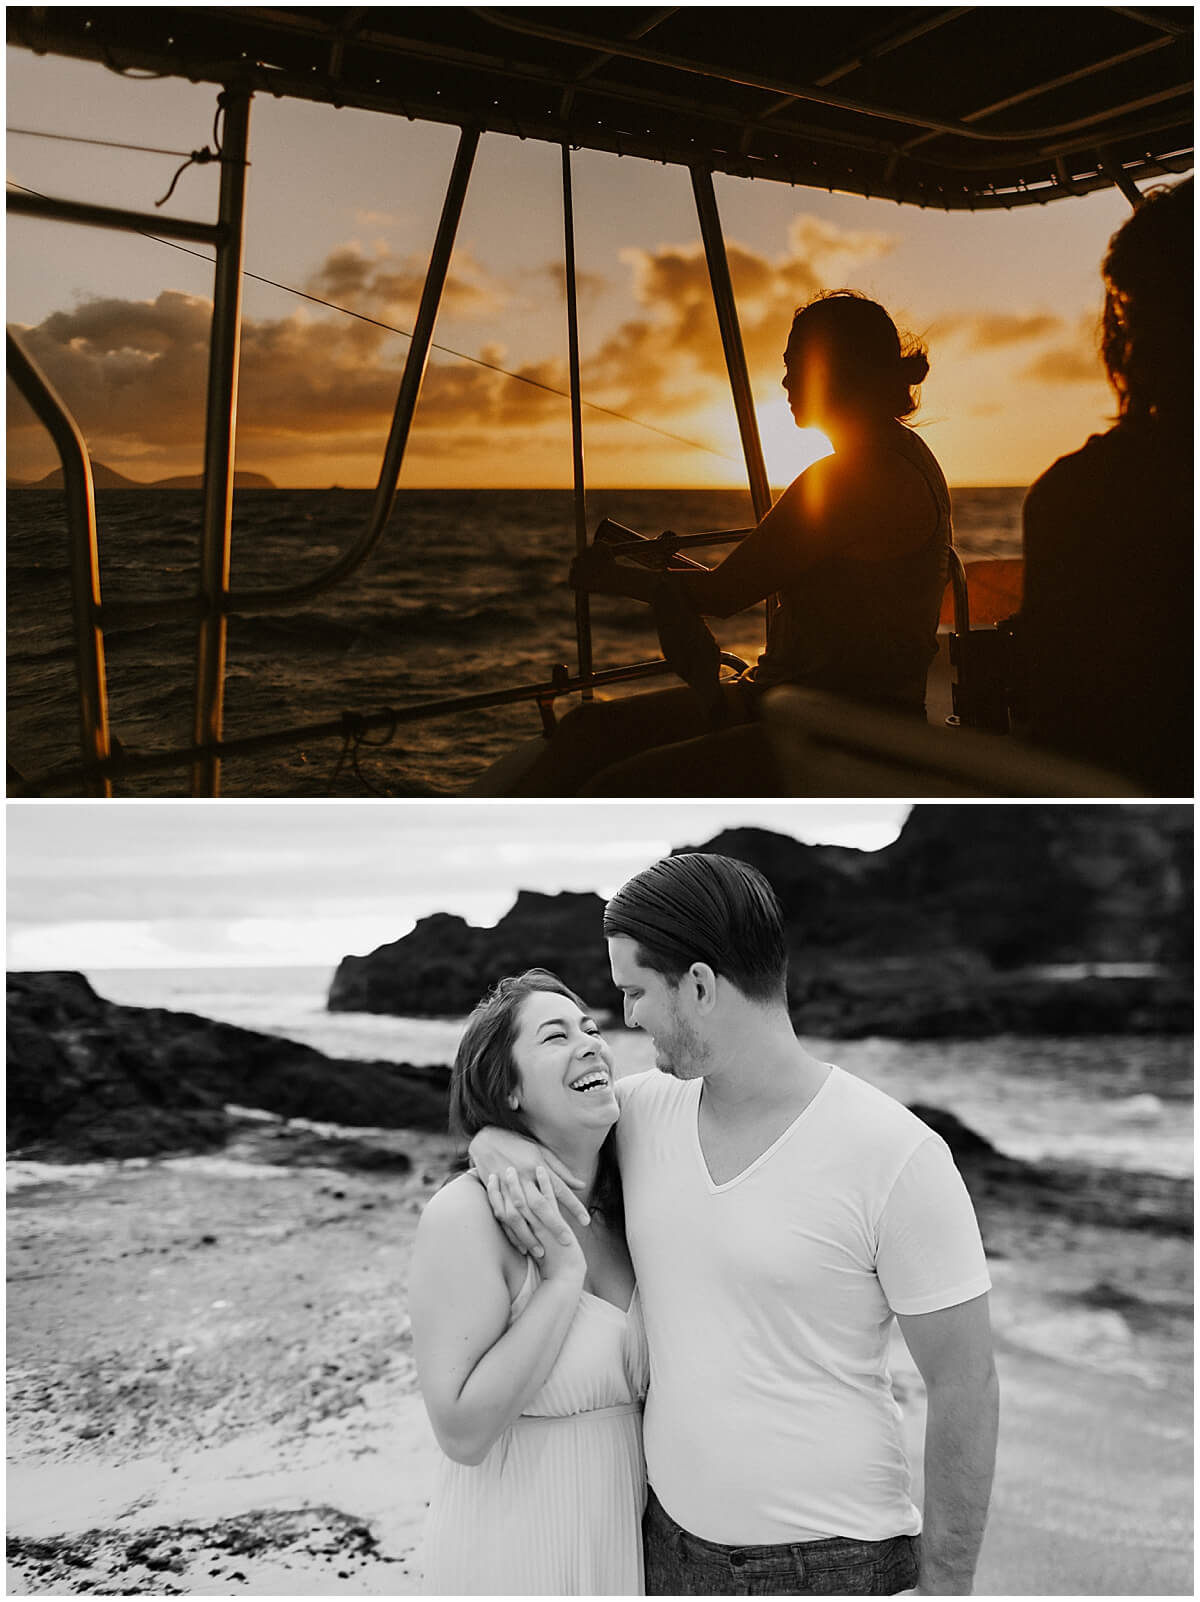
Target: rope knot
{"points": [[198, 158]]}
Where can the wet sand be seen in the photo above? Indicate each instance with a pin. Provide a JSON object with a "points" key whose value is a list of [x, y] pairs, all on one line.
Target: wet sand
{"points": [[211, 1388]]}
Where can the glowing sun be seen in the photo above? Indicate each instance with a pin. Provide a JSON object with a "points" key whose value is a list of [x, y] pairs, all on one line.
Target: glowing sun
{"points": [[788, 450]]}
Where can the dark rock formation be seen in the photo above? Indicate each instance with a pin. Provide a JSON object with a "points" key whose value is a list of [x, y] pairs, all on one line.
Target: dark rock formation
{"points": [[286, 1143], [1013, 885], [89, 1078], [950, 931], [1048, 884], [1105, 1197], [445, 965], [956, 998]]}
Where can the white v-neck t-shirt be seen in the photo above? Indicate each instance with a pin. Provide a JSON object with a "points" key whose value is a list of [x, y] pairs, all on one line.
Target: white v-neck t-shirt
{"points": [[769, 1300]]}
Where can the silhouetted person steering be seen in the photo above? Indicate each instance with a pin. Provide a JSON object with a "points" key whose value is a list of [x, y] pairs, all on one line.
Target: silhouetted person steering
{"points": [[1107, 613], [856, 550]]}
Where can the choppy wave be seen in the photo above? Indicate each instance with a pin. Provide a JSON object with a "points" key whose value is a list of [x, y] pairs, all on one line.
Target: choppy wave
{"points": [[466, 592], [1033, 1097]]}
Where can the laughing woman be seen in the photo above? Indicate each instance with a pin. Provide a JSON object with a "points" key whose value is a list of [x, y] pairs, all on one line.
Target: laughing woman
{"points": [[533, 1372]]}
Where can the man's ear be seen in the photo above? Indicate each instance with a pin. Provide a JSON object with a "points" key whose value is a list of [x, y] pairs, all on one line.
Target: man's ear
{"points": [[702, 983]]}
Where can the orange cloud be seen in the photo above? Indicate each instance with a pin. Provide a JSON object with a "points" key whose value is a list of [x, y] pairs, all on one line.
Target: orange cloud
{"points": [[389, 287], [321, 386], [1074, 360], [1072, 357], [672, 357], [994, 330], [134, 373], [1065, 364], [587, 284]]}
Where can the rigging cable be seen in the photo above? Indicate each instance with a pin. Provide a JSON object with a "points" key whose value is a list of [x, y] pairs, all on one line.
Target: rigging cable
{"points": [[317, 300], [109, 144]]}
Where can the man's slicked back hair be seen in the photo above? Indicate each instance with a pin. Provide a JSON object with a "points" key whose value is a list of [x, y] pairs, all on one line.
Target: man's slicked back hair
{"points": [[702, 908]]}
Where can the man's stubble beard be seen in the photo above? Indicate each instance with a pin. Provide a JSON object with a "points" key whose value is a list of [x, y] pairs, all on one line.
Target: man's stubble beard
{"points": [[682, 1054]]}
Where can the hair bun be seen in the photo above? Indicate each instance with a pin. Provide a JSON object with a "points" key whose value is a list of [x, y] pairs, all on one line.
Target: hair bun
{"points": [[914, 366]]}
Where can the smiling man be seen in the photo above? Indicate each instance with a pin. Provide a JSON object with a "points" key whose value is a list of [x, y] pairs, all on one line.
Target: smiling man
{"points": [[781, 1215]]}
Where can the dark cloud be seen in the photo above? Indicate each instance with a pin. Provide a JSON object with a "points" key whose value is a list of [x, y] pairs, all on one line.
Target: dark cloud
{"points": [[148, 328], [134, 372], [389, 287], [461, 394]]}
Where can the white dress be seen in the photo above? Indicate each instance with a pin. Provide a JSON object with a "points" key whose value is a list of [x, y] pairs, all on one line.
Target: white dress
{"points": [[555, 1508]]}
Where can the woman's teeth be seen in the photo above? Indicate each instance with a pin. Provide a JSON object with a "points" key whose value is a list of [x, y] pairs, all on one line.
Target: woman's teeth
{"points": [[594, 1081]]}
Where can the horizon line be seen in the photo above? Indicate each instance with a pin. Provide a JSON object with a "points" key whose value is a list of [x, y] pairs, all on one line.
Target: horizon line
{"points": [[258, 489]]}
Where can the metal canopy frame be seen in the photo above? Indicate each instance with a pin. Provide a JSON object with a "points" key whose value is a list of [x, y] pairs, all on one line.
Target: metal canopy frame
{"points": [[931, 106], [214, 600], [183, 40]]}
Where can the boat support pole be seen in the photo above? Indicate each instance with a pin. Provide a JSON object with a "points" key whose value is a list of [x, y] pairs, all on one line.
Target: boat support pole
{"points": [[84, 559], [407, 395], [422, 335], [731, 339], [220, 425], [583, 616], [1111, 165]]}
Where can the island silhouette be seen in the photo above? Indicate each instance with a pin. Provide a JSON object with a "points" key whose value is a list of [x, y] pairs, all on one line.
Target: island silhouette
{"points": [[104, 477]]}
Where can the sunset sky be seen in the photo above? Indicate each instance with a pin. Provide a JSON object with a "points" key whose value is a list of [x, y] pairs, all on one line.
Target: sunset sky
{"points": [[258, 883], [344, 204]]}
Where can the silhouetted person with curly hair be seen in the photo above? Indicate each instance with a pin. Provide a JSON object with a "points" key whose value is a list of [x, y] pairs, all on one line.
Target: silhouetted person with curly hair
{"points": [[1107, 615]]}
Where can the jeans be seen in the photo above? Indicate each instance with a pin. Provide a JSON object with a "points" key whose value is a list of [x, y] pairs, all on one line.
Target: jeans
{"points": [[680, 1564]]}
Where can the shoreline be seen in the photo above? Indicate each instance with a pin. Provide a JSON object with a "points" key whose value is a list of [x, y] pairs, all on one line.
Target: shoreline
{"points": [[212, 1389]]}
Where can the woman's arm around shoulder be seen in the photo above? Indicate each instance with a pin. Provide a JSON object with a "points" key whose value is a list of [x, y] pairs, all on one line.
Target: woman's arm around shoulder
{"points": [[477, 1374]]}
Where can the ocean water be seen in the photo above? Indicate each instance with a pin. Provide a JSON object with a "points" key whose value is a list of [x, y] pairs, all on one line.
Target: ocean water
{"points": [[1120, 1102], [466, 592]]}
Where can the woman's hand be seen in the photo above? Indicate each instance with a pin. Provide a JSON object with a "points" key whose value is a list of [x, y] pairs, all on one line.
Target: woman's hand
{"points": [[562, 1256], [507, 1163]]}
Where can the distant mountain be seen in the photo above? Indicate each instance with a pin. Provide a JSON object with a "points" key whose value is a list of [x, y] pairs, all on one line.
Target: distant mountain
{"points": [[196, 481], [108, 478], [103, 477]]}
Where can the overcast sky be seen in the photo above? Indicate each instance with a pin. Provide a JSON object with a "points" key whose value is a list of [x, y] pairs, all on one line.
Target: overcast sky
{"points": [[180, 883], [343, 204]]}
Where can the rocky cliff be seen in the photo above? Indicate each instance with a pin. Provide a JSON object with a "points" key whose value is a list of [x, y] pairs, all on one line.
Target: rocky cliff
{"points": [[976, 920], [90, 1078], [445, 964]]}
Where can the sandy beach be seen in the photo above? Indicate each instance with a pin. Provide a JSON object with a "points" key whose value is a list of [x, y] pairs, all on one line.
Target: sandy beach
{"points": [[211, 1387]]}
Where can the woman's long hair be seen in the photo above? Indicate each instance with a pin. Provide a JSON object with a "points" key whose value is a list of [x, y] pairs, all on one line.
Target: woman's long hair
{"points": [[1146, 329], [484, 1078]]}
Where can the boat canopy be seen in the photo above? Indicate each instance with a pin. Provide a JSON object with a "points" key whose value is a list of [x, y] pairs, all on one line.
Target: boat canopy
{"points": [[960, 107]]}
